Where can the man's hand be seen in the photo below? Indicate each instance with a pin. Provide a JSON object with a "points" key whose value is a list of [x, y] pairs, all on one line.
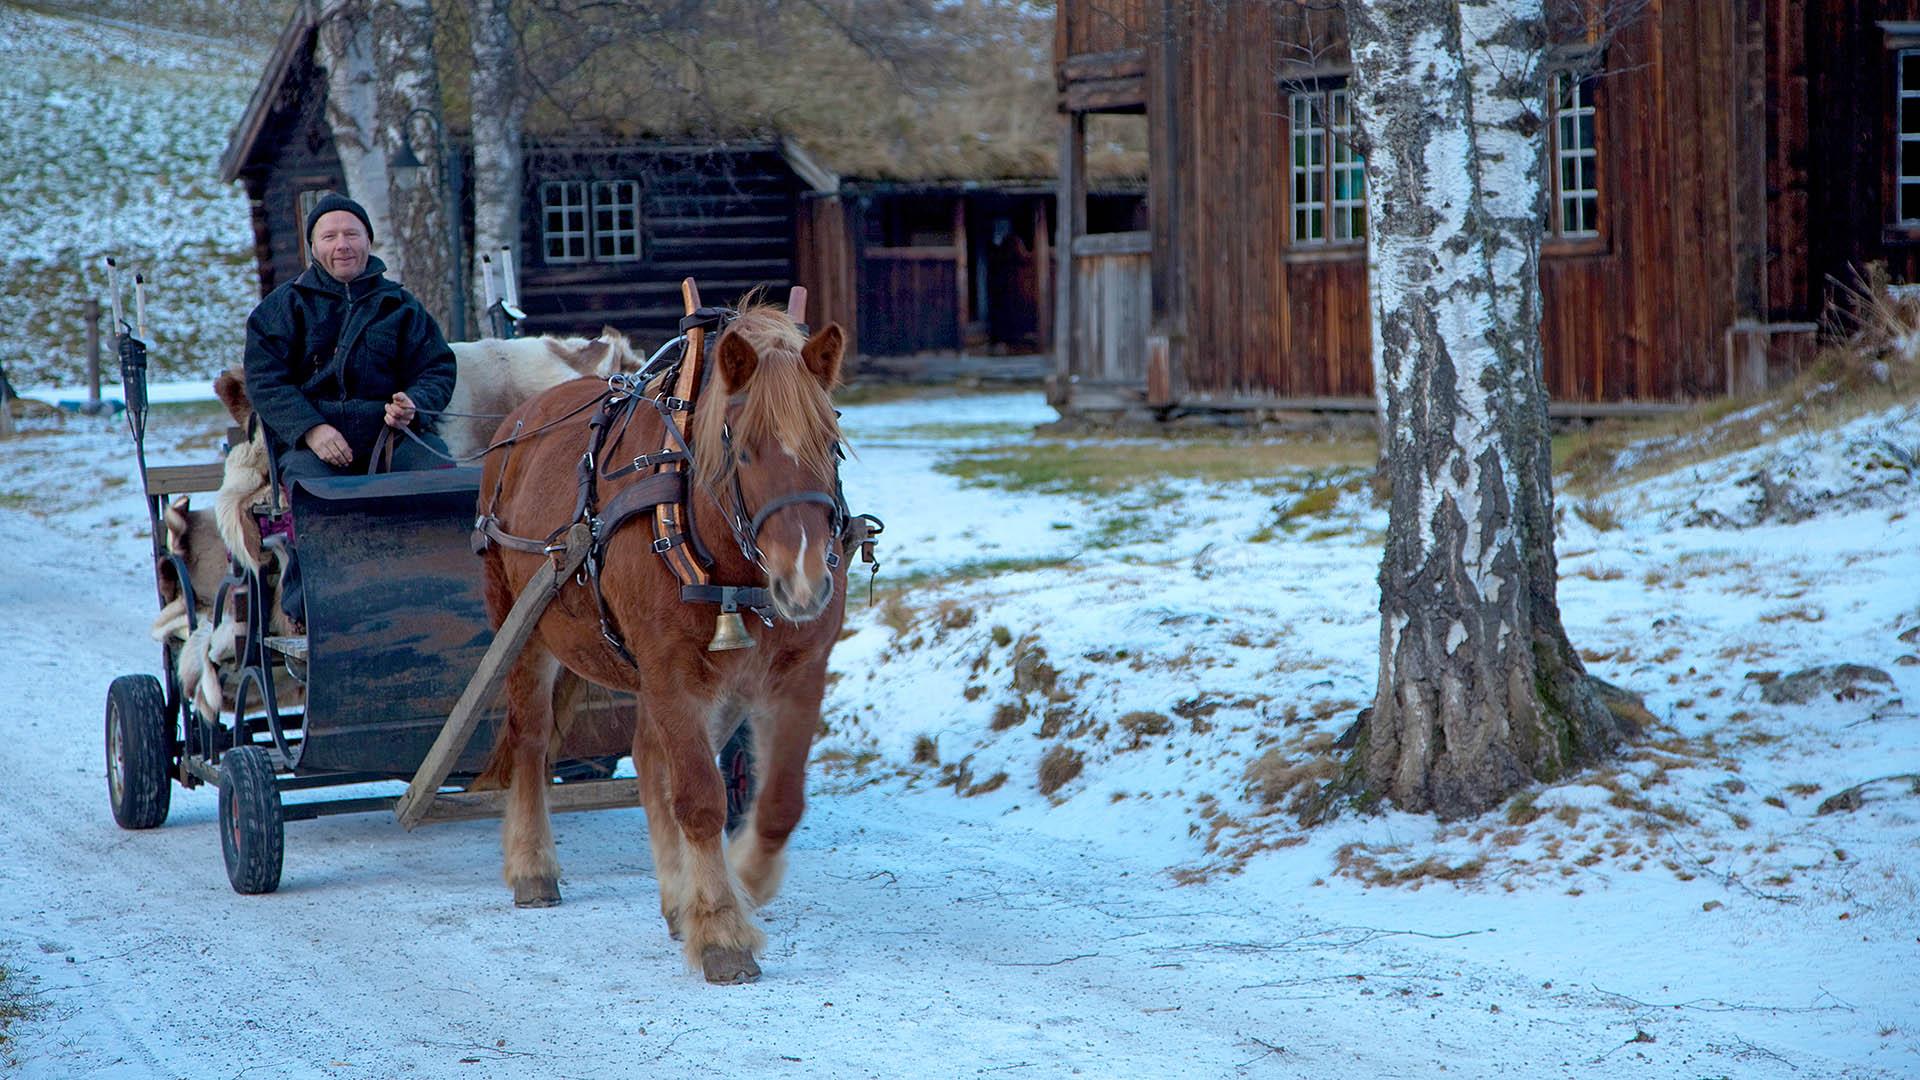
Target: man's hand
{"points": [[326, 441], [400, 410]]}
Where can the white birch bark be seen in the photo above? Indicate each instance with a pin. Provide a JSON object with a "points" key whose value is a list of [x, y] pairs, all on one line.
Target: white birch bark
{"points": [[499, 109], [417, 198], [345, 47], [1479, 692]]}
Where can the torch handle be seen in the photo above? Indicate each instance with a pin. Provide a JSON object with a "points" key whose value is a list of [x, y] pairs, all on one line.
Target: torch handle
{"points": [[511, 289], [113, 291], [140, 306]]}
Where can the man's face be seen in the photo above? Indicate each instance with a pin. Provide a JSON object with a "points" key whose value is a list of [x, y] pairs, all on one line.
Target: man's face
{"points": [[340, 245]]}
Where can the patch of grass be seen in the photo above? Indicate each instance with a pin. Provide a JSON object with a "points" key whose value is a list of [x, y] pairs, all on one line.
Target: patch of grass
{"points": [[1010, 714], [1142, 724], [1072, 466], [1058, 767], [976, 569], [926, 751], [17, 1006], [1599, 515]]}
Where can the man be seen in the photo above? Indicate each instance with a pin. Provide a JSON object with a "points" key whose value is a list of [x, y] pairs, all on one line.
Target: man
{"points": [[336, 354], [340, 351]]}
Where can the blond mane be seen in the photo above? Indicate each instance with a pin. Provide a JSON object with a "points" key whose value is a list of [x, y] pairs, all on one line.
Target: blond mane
{"points": [[782, 401]]}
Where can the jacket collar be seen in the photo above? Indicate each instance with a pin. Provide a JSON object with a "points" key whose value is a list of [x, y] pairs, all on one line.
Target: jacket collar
{"points": [[371, 280]]}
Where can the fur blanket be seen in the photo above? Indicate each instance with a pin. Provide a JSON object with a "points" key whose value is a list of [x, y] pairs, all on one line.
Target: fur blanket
{"points": [[496, 376]]}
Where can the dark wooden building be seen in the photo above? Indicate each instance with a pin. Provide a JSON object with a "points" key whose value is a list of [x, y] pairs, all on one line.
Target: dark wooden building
{"points": [[610, 226], [1711, 166]]}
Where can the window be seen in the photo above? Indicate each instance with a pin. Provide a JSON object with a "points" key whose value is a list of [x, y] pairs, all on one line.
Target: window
{"points": [[616, 220], [1907, 89], [303, 204], [1329, 176], [1574, 207], [563, 220]]}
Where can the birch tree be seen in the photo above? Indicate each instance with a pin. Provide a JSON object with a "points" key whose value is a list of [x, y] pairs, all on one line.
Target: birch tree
{"points": [[345, 49], [1480, 692], [499, 112], [409, 110]]}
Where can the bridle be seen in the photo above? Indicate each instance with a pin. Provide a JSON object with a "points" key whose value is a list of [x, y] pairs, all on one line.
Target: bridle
{"points": [[746, 528]]}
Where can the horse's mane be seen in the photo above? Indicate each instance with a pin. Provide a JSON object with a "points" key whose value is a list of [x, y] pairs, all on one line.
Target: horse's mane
{"points": [[783, 401]]}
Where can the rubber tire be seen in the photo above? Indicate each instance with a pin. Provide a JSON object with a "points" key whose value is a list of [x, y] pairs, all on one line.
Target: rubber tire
{"points": [[252, 832], [139, 728]]}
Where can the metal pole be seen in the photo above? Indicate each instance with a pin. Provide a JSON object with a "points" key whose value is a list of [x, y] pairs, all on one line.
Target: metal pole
{"points": [[90, 311]]}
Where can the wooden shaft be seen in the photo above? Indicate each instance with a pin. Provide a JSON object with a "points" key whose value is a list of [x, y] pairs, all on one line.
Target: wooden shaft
{"points": [[797, 304]]}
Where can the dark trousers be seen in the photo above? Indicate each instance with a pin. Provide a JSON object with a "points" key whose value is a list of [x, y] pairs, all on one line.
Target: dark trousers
{"points": [[302, 464]]}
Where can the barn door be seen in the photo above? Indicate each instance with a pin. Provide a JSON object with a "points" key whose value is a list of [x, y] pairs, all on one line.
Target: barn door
{"points": [[1112, 300]]}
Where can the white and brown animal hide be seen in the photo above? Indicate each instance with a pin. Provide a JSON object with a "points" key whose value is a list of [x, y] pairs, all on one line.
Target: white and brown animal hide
{"points": [[496, 376]]}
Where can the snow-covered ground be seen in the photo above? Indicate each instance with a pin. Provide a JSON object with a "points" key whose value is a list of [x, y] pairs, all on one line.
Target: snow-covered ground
{"points": [[1193, 650], [112, 148]]}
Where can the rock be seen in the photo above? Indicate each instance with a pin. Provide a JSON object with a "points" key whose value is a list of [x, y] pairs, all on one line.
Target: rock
{"points": [[1843, 682]]}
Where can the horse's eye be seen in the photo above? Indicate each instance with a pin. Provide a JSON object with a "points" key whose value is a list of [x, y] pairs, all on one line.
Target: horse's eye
{"points": [[745, 458]]}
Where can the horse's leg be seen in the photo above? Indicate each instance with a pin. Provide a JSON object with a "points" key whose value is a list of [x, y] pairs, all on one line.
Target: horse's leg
{"points": [[720, 937], [789, 717], [532, 866], [663, 832]]}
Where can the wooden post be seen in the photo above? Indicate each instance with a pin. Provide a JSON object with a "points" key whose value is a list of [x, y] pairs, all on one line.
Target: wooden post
{"points": [[90, 311], [413, 807], [1069, 206], [6, 406]]}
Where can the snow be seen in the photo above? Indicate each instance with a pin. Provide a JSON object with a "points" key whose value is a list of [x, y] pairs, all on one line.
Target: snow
{"points": [[1685, 913], [120, 158]]}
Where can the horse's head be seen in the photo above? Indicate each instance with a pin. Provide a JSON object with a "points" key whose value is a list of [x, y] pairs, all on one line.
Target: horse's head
{"points": [[770, 456]]}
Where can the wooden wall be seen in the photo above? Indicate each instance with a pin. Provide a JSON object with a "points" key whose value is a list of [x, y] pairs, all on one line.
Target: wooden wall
{"points": [[1849, 139], [298, 155], [1100, 26], [1641, 315], [724, 217], [823, 262]]}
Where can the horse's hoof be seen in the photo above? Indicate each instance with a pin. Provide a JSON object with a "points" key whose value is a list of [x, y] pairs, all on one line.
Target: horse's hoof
{"points": [[541, 892], [728, 966]]}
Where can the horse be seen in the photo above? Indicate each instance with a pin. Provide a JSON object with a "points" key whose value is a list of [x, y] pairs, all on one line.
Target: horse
{"points": [[494, 375], [765, 443]]}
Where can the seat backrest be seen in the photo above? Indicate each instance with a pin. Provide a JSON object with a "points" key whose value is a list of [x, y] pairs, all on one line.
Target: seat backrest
{"points": [[396, 622]]}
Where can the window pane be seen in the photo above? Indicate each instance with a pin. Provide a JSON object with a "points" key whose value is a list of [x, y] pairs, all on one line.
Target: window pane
{"points": [[1910, 116], [1910, 159], [1586, 131], [1910, 71], [1910, 202]]}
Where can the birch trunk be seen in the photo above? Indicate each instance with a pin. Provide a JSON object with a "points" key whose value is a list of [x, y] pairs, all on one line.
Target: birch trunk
{"points": [[1480, 692], [422, 238], [499, 108], [345, 47]]}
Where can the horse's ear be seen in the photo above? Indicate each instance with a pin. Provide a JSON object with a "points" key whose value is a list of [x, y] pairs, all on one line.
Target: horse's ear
{"points": [[822, 354], [594, 358], [738, 361]]}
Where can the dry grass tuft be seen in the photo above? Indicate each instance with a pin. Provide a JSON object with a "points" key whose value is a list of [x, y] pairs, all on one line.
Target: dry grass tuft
{"points": [[926, 751], [1010, 714], [1058, 767]]}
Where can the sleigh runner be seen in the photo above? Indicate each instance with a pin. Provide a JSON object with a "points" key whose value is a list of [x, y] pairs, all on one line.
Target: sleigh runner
{"points": [[395, 674]]}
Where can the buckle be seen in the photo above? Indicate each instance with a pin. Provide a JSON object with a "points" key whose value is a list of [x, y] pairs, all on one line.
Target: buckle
{"points": [[665, 544], [676, 404]]}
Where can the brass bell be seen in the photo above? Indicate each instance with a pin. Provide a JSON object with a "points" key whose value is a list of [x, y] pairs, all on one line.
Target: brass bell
{"points": [[729, 632]]}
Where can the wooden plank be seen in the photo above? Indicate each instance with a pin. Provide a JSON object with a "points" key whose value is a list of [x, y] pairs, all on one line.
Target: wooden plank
{"points": [[1120, 64], [514, 631], [1120, 243], [184, 479], [561, 799], [1107, 95]]}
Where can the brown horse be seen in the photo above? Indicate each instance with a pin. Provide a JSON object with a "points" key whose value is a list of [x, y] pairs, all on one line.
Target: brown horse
{"points": [[765, 443]]}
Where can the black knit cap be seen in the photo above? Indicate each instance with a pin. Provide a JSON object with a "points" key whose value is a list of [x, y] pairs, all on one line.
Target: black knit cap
{"points": [[332, 201]]}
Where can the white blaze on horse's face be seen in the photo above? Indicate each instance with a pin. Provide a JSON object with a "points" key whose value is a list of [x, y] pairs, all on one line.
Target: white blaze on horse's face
{"points": [[795, 539]]}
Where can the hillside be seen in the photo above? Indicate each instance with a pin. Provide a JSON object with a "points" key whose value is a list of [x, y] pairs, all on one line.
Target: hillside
{"points": [[113, 152]]}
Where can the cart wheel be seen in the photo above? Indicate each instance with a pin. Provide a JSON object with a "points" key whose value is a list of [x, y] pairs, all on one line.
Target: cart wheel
{"points": [[252, 835], [139, 752]]}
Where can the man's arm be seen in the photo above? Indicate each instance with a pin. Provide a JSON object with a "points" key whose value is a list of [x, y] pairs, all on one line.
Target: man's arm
{"points": [[429, 381], [271, 386]]}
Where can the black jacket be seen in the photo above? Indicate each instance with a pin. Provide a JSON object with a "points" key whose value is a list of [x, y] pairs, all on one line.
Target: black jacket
{"points": [[321, 352]]}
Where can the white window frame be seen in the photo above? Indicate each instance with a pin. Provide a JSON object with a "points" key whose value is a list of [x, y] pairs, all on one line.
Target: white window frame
{"points": [[612, 241], [1328, 193], [1574, 207], [563, 222], [1906, 181]]}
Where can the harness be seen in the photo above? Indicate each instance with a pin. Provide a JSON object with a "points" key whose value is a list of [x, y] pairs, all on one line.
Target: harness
{"points": [[664, 495]]}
